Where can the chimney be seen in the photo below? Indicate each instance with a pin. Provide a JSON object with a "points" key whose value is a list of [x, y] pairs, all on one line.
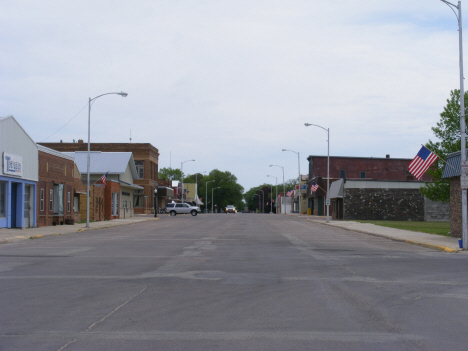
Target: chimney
{"points": [[387, 156], [80, 141]]}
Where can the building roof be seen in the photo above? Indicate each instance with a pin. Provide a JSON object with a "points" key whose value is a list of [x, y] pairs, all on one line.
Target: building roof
{"points": [[103, 162], [452, 166], [55, 152], [3, 119], [358, 157]]}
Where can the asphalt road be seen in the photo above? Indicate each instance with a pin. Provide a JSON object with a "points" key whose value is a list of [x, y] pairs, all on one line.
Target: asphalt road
{"points": [[230, 282]]}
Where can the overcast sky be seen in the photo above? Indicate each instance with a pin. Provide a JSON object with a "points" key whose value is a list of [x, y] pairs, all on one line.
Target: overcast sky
{"points": [[231, 83]]}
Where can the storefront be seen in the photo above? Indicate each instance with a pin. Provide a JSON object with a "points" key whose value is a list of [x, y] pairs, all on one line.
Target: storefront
{"points": [[18, 176]]}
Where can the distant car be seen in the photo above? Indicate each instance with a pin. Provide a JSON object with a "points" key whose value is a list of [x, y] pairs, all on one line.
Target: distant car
{"points": [[181, 208], [230, 209]]}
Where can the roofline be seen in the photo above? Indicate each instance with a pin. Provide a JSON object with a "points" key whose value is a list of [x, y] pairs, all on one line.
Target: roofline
{"points": [[55, 152], [14, 119], [359, 157]]}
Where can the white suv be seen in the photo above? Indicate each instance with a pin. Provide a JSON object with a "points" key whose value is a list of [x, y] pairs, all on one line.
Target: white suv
{"points": [[181, 208]]}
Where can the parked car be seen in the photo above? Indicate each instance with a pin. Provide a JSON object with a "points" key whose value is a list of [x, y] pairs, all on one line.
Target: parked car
{"points": [[181, 208], [230, 209]]}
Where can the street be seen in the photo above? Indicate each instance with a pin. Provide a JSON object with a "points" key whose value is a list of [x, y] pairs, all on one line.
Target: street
{"points": [[230, 282]]}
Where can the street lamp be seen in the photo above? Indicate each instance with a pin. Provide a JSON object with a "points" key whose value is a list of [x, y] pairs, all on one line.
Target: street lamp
{"points": [[284, 193], [206, 194], [212, 191], [299, 180], [89, 149], [462, 121], [276, 195], [182, 172], [328, 165]]}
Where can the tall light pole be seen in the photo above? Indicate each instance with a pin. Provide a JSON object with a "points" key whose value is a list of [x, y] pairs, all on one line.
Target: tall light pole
{"points": [[276, 194], [212, 191], [89, 149], [462, 121], [328, 165], [284, 192], [299, 180], [206, 194], [182, 172]]}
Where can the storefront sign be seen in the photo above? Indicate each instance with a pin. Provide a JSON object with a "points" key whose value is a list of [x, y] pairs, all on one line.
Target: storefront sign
{"points": [[12, 165]]}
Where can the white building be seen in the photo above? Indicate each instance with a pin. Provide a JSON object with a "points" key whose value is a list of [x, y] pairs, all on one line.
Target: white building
{"points": [[18, 176]]}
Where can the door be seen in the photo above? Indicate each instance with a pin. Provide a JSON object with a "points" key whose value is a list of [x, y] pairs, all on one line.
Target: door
{"points": [[320, 205], [27, 206]]}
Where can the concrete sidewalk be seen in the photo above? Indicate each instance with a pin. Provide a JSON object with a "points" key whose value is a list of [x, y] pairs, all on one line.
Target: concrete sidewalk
{"points": [[11, 235], [433, 241]]}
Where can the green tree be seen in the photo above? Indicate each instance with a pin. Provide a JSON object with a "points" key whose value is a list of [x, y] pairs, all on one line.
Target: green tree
{"points": [[229, 192], [170, 173], [448, 132]]}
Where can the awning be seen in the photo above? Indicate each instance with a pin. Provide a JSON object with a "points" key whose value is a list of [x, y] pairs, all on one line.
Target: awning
{"points": [[336, 189]]}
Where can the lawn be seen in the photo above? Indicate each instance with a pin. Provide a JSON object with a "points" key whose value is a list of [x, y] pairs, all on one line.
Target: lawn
{"points": [[440, 228]]}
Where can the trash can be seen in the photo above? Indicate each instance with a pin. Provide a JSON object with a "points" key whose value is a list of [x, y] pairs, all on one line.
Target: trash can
{"points": [[309, 211]]}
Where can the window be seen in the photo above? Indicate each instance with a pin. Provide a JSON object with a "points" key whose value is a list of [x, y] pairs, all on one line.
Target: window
{"points": [[115, 204], [2, 199], [51, 200], [140, 168], [342, 173], [68, 202], [58, 199], [138, 198], [42, 200], [363, 174], [76, 204]]}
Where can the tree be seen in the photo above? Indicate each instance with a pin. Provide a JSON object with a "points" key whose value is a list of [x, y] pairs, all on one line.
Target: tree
{"points": [[448, 132], [170, 173], [229, 192]]}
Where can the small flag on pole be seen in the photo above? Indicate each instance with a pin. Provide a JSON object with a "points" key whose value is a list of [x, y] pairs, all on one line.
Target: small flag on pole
{"points": [[104, 179], [289, 193], [314, 187], [421, 163]]}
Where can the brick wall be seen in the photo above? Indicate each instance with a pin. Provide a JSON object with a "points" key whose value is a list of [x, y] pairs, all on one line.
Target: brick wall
{"points": [[54, 170], [455, 208], [384, 204], [374, 168]]}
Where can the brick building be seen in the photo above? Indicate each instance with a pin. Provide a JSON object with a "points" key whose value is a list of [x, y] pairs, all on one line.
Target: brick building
{"points": [[146, 158], [452, 173], [55, 195], [359, 168]]}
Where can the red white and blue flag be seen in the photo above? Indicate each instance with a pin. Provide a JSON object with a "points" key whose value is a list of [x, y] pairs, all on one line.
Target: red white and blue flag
{"points": [[314, 187], [421, 163], [104, 179], [290, 193]]}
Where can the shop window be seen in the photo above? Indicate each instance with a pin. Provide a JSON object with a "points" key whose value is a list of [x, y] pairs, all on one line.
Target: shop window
{"points": [[138, 198], [2, 199], [140, 168], [51, 200], [42, 200], [76, 203], [58, 199], [115, 204]]}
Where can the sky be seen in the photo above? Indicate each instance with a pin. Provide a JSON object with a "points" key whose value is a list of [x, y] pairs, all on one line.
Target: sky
{"points": [[231, 83]]}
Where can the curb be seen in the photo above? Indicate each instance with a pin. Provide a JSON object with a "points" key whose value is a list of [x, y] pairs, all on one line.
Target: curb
{"points": [[429, 246]]}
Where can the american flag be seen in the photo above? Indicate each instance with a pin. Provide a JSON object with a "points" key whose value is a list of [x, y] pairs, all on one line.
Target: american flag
{"points": [[421, 163], [289, 193], [104, 179], [314, 187]]}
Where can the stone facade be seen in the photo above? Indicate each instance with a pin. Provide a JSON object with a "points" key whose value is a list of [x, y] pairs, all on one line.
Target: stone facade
{"points": [[436, 211], [384, 204], [455, 208]]}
